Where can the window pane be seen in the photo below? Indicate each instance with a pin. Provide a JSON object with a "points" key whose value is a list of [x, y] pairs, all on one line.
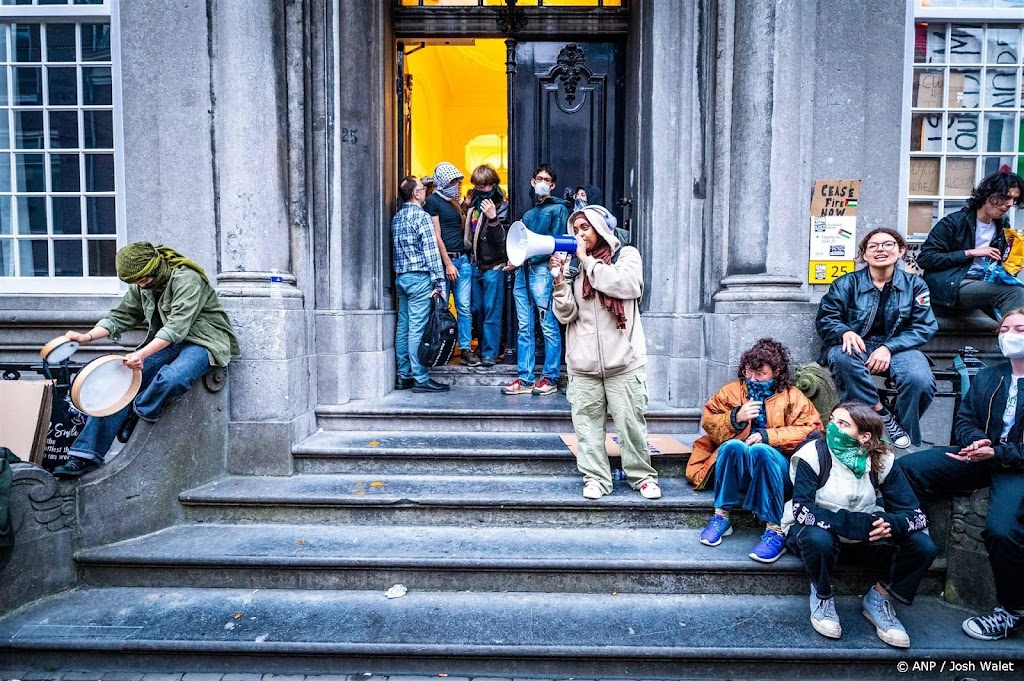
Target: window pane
{"points": [[3, 43], [101, 258], [28, 85], [101, 214], [926, 132], [6, 258], [1003, 45], [5, 172], [928, 84], [6, 226], [99, 129], [5, 130], [31, 214], [33, 258], [64, 173], [921, 215], [960, 176], [64, 129], [27, 46], [1001, 88], [28, 129], [924, 176], [60, 42], [67, 214], [999, 132], [992, 164], [96, 85], [63, 85], [964, 90], [3, 80], [929, 43], [95, 42], [963, 132], [965, 45], [28, 173], [99, 172], [67, 258]]}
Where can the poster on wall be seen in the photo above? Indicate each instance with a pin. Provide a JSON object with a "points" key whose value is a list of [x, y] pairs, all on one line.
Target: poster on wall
{"points": [[833, 230]]}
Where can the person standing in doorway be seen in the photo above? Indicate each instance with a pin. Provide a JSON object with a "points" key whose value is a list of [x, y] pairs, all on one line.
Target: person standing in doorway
{"points": [[485, 232], [444, 208], [961, 257], [420, 277], [873, 322], [532, 292]]}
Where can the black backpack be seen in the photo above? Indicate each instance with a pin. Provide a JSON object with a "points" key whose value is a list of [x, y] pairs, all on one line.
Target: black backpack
{"points": [[438, 343]]}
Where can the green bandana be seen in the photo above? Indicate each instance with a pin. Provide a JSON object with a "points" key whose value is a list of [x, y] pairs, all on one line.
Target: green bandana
{"points": [[847, 449], [142, 259]]}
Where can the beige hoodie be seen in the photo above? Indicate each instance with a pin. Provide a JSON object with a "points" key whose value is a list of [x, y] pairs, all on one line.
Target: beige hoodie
{"points": [[594, 347]]}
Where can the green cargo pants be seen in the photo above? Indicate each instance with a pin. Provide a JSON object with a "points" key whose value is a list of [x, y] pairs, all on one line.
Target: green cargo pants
{"points": [[625, 396]]}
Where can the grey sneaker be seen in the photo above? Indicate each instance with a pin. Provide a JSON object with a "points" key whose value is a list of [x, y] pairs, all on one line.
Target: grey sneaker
{"points": [[823, 616], [880, 612]]}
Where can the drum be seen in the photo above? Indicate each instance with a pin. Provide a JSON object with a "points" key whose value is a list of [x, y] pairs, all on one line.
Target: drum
{"points": [[58, 350], [105, 386]]}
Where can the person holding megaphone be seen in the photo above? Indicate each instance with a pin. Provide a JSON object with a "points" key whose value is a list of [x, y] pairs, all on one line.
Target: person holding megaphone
{"points": [[607, 352]]}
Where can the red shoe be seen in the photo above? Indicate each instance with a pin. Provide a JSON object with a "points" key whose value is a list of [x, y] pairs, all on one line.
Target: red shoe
{"points": [[517, 387], [544, 387]]}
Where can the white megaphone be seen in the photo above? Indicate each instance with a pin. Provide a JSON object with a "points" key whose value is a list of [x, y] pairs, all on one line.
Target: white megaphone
{"points": [[521, 244]]}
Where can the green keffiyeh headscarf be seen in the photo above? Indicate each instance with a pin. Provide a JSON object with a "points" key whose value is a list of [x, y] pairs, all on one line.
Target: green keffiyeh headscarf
{"points": [[142, 259]]}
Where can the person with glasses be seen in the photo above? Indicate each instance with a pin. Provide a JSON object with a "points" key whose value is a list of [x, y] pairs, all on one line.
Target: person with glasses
{"points": [[961, 257], [873, 322]]}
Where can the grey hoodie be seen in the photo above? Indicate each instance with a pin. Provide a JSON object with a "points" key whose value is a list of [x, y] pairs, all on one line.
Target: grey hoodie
{"points": [[594, 347]]}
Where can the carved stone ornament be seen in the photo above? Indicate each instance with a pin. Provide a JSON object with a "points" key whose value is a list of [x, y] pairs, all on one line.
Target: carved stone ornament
{"points": [[511, 18], [38, 502], [570, 68], [216, 380], [969, 521]]}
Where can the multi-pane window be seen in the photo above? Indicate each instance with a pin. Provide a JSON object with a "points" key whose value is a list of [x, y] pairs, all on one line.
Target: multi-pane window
{"points": [[521, 3], [966, 114], [58, 211]]}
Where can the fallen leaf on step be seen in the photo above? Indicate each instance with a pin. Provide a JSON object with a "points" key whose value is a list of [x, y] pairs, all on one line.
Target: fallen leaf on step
{"points": [[376, 483], [360, 493], [238, 616], [397, 591], [301, 542], [374, 443], [359, 484]]}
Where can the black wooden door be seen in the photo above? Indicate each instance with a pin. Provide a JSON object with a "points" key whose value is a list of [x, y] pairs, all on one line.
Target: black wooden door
{"points": [[567, 111]]}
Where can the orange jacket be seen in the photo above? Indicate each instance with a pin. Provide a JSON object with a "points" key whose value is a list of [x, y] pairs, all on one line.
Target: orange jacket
{"points": [[791, 418]]}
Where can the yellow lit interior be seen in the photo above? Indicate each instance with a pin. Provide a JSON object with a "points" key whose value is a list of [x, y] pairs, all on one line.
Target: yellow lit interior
{"points": [[459, 108]]}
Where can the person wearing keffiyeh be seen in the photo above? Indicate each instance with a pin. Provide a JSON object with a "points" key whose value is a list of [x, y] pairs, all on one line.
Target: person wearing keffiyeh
{"points": [[606, 353]]}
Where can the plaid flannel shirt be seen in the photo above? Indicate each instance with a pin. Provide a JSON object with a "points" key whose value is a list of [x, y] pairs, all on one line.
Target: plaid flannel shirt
{"points": [[412, 234]]}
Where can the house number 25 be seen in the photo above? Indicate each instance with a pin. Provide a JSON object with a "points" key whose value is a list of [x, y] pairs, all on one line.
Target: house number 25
{"points": [[349, 135]]}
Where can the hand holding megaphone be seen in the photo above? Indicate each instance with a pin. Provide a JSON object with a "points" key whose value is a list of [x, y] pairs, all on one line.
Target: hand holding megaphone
{"points": [[522, 244]]}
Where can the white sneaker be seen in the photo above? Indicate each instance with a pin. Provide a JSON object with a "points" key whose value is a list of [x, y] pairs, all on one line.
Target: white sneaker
{"points": [[898, 436], [880, 612], [650, 490], [592, 490]]}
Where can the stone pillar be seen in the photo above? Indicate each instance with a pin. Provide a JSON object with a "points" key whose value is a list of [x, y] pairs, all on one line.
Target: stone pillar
{"points": [[272, 383]]}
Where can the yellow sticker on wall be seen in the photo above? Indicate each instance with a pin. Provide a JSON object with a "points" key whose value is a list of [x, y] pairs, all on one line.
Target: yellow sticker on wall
{"points": [[827, 271]]}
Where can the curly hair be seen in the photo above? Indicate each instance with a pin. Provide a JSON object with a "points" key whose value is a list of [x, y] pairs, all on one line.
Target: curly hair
{"points": [[868, 421], [998, 184], [773, 353]]}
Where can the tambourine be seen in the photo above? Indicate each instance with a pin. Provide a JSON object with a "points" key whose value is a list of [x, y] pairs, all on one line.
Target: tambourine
{"points": [[105, 386], [58, 350]]}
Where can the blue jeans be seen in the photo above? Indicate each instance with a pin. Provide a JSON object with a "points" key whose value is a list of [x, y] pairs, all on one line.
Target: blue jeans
{"points": [[536, 297], [166, 376], [489, 299], [462, 289], [915, 384], [759, 472], [414, 289]]}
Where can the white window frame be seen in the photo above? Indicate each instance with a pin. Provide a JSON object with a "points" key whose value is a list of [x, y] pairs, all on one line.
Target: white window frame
{"points": [[974, 15], [62, 13]]}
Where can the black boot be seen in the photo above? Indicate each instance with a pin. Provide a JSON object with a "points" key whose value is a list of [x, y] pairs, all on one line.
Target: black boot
{"points": [[129, 426], [431, 386], [75, 467]]}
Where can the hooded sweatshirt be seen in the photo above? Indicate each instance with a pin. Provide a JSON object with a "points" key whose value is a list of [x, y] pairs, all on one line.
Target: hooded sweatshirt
{"points": [[595, 347]]}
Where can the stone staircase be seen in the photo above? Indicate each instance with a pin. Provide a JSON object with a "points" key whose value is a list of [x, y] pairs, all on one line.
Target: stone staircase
{"points": [[472, 503]]}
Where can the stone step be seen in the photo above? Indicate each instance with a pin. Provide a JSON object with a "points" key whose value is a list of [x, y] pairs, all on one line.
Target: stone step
{"points": [[481, 409], [455, 374], [430, 453], [541, 635], [453, 559], [464, 501]]}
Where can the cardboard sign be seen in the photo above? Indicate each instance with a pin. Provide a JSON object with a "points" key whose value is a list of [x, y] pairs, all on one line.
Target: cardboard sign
{"points": [[25, 417], [827, 271], [835, 198], [960, 176], [924, 176]]}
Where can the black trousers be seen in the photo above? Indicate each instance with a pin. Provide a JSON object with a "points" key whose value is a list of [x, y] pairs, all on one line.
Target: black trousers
{"points": [[903, 562], [934, 475]]}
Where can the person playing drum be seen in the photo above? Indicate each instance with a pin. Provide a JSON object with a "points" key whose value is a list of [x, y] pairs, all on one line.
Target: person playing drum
{"points": [[188, 335]]}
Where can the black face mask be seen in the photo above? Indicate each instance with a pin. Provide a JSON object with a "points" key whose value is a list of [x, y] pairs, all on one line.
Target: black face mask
{"points": [[479, 196]]}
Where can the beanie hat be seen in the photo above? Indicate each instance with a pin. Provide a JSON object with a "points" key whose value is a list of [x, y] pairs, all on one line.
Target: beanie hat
{"points": [[142, 259]]}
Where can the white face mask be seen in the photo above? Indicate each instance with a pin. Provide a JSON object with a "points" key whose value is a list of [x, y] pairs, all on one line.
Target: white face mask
{"points": [[542, 189], [1011, 344]]}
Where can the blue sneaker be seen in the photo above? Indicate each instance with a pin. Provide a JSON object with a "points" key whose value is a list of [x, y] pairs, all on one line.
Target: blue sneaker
{"points": [[771, 546], [717, 528]]}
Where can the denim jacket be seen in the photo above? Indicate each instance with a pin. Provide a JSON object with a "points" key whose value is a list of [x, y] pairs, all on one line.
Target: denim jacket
{"points": [[852, 303], [548, 217]]}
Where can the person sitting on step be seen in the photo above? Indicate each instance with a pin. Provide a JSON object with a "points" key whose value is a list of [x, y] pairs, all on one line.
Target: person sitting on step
{"points": [[873, 321], [989, 430], [607, 354], [850, 497], [753, 425]]}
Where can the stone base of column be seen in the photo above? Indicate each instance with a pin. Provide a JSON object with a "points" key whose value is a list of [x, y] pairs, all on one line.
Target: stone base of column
{"points": [[739, 291]]}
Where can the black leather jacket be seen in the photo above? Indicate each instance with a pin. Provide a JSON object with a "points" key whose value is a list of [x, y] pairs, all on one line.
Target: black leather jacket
{"points": [[852, 303], [981, 416], [943, 255]]}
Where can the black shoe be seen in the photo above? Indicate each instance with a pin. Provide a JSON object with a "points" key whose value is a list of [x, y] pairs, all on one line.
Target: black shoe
{"points": [[75, 467], [404, 383], [431, 386], [129, 427], [470, 358], [488, 361]]}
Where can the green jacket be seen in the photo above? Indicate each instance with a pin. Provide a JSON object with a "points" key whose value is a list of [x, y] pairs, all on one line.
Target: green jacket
{"points": [[189, 310], [6, 480]]}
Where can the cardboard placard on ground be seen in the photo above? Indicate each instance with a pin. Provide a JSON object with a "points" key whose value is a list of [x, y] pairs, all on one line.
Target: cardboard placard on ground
{"points": [[656, 444], [835, 197], [25, 417]]}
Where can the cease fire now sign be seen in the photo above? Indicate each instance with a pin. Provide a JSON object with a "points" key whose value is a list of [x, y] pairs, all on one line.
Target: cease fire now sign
{"points": [[833, 230]]}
